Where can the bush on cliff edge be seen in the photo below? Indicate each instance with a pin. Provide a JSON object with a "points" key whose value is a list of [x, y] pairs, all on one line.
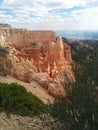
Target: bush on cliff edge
{"points": [[15, 99]]}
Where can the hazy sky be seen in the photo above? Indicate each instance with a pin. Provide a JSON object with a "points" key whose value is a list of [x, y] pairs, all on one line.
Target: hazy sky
{"points": [[50, 14]]}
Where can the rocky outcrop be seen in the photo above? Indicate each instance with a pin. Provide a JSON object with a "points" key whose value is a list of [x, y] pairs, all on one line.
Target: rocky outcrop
{"points": [[23, 71], [38, 56], [42, 78], [47, 57], [54, 86]]}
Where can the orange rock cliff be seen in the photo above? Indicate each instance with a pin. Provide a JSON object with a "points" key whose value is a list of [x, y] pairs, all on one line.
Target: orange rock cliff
{"points": [[37, 52]]}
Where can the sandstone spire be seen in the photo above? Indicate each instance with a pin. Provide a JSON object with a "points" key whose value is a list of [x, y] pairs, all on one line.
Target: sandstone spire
{"points": [[60, 43]]}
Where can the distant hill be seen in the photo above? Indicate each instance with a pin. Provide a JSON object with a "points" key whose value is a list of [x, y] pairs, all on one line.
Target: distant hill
{"points": [[75, 34]]}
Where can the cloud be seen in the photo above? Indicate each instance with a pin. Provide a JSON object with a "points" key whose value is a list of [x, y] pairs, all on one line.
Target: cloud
{"points": [[51, 4], [52, 14]]}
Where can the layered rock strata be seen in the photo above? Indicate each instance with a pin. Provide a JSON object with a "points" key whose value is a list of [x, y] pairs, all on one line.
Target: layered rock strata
{"points": [[37, 55]]}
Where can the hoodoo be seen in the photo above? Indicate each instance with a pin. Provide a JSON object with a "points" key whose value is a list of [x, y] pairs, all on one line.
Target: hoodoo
{"points": [[35, 52]]}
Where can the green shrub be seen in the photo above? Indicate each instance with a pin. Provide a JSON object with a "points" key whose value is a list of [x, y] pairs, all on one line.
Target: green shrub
{"points": [[79, 110], [15, 99]]}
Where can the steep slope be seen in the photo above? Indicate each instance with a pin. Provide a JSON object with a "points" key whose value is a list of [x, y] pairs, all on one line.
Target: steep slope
{"points": [[32, 87]]}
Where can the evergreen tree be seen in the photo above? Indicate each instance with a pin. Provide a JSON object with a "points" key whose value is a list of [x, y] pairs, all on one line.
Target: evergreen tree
{"points": [[79, 110]]}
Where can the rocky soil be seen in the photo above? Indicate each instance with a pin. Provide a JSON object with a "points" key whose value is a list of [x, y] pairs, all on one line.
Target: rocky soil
{"points": [[13, 122]]}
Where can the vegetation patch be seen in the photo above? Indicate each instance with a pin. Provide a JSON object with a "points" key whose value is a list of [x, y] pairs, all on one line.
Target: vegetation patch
{"points": [[15, 99], [79, 110]]}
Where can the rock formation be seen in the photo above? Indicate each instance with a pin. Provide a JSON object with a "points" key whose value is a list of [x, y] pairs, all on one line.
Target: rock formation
{"points": [[36, 55], [5, 26]]}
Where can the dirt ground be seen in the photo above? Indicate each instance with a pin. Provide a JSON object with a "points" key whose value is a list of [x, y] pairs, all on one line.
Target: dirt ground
{"points": [[32, 87]]}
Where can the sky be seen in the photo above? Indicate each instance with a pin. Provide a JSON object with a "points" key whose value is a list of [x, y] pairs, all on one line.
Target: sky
{"points": [[50, 14]]}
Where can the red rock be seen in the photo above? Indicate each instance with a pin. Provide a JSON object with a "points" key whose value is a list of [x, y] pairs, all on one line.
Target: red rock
{"points": [[38, 56]]}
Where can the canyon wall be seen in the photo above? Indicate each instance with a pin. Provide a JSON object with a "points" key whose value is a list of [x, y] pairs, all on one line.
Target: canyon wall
{"points": [[25, 37], [37, 55]]}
